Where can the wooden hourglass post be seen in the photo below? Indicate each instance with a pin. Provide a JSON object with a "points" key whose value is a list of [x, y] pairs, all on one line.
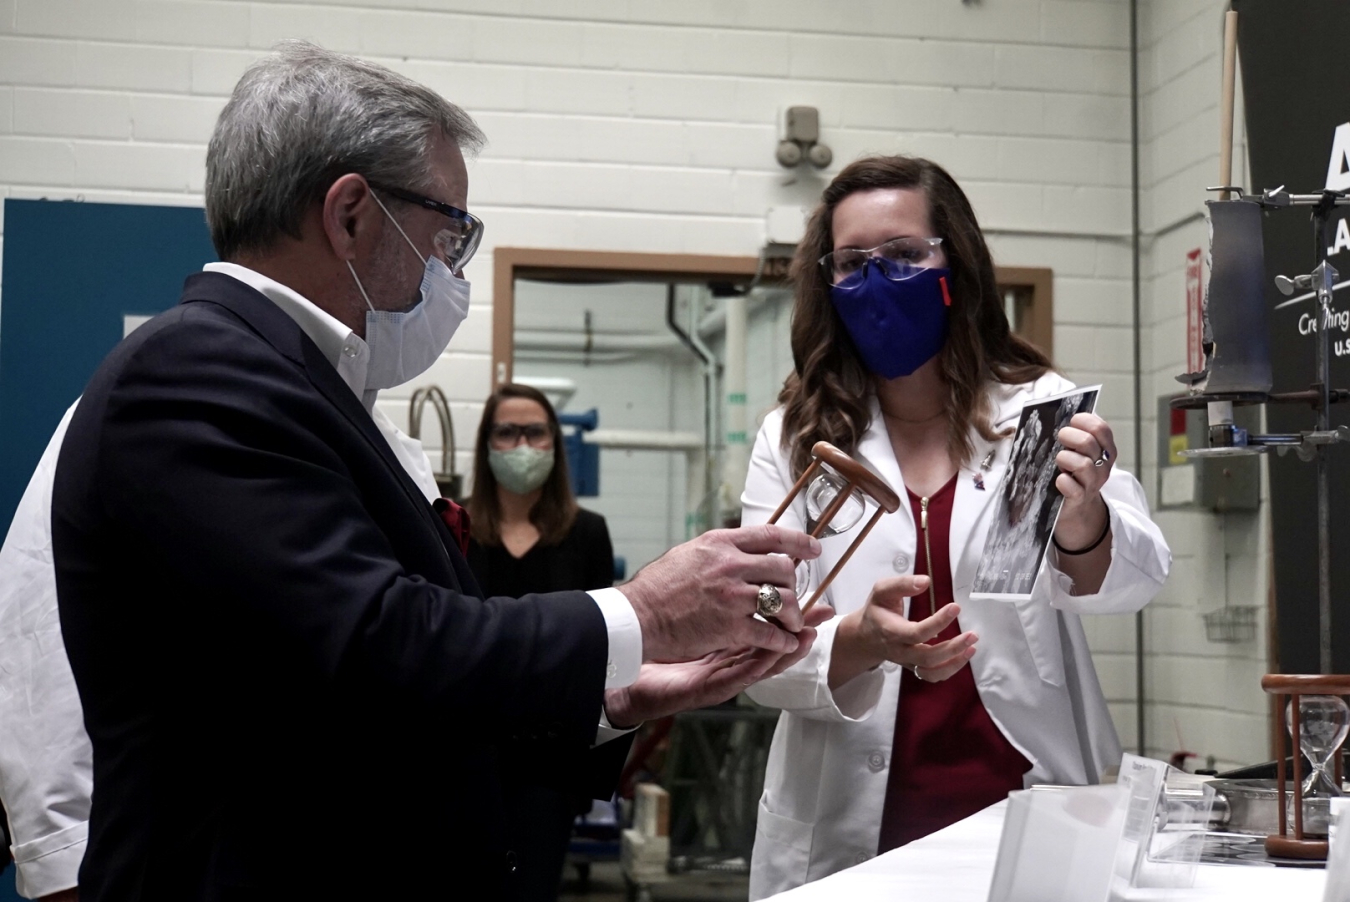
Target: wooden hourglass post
{"points": [[802, 480], [1291, 688], [855, 476]]}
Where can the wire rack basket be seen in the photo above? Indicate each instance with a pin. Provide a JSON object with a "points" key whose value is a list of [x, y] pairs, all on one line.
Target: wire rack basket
{"points": [[1232, 623]]}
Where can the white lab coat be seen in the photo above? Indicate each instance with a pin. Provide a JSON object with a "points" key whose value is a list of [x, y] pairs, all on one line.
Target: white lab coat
{"points": [[46, 762], [825, 784]]}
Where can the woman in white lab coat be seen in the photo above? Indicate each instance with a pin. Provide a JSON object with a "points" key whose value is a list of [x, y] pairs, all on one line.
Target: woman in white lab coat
{"points": [[917, 705]]}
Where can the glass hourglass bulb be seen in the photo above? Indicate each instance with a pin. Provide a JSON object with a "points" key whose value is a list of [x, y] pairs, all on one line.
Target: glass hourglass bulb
{"points": [[803, 581], [1324, 721], [821, 493]]}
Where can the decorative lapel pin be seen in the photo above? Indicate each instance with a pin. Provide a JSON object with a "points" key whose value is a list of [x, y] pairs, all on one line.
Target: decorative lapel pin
{"points": [[984, 466]]}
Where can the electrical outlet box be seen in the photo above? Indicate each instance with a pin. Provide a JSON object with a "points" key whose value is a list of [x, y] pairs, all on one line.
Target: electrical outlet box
{"points": [[803, 125], [1217, 484]]}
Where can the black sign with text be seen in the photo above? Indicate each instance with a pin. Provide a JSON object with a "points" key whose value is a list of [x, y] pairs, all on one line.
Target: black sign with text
{"points": [[1296, 89]]}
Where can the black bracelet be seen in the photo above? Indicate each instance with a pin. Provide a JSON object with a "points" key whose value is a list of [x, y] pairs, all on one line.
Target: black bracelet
{"points": [[1105, 530]]}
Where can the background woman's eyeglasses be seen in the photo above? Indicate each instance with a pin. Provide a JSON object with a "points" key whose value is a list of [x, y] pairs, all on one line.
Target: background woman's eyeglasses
{"points": [[504, 436], [898, 260]]}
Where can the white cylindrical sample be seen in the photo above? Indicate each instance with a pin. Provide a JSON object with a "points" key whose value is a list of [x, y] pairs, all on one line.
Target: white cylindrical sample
{"points": [[1220, 413]]}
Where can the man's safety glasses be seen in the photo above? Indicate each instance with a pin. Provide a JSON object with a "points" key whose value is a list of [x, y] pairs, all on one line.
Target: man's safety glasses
{"points": [[456, 243]]}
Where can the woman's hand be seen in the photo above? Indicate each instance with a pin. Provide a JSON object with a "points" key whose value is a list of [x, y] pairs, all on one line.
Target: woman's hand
{"points": [[1087, 460], [879, 632], [665, 689]]}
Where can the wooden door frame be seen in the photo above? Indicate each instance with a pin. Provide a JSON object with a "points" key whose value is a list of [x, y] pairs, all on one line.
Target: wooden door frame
{"points": [[1040, 281], [511, 263]]}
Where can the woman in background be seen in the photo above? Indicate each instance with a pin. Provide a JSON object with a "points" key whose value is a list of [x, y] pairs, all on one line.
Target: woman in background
{"points": [[919, 705], [529, 535]]}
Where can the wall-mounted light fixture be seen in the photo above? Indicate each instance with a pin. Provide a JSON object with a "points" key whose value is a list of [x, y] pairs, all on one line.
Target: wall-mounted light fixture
{"points": [[803, 140]]}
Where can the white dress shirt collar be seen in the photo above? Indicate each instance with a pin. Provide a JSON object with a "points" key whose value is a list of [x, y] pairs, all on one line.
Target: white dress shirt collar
{"points": [[340, 346]]}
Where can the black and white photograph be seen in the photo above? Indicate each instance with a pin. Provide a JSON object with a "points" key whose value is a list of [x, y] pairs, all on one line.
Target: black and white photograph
{"points": [[1028, 503]]}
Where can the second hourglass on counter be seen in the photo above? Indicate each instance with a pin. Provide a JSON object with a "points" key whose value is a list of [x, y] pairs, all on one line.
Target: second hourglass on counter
{"points": [[1317, 719], [1323, 721]]}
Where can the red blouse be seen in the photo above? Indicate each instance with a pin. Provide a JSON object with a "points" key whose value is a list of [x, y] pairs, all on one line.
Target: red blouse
{"points": [[948, 759]]}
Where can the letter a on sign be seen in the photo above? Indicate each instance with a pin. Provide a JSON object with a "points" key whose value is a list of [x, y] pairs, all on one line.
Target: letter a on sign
{"points": [[1338, 172]]}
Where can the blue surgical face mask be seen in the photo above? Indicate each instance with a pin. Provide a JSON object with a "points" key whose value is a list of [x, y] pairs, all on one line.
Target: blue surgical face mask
{"points": [[897, 326], [405, 343]]}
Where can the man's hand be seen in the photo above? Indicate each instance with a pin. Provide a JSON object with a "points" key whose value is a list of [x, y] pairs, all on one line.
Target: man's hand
{"points": [[700, 597], [665, 689]]}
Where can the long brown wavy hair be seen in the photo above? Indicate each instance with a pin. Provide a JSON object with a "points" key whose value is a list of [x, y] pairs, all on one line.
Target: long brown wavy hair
{"points": [[825, 397], [555, 511]]}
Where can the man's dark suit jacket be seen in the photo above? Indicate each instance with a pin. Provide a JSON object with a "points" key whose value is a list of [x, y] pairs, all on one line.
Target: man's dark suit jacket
{"points": [[292, 687]]}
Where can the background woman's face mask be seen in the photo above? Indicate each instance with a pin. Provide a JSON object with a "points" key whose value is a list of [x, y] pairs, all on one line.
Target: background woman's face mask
{"points": [[521, 469]]}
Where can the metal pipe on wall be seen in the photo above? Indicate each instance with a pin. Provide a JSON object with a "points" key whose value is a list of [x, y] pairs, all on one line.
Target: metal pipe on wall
{"points": [[712, 478], [568, 340], [1138, 346], [695, 521], [736, 453], [709, 365]]}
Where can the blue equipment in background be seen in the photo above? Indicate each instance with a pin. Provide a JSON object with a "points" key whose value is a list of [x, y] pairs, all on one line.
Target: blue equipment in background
{"points": [[583, 460], [583, 468], [8, 893], [73, 272]]}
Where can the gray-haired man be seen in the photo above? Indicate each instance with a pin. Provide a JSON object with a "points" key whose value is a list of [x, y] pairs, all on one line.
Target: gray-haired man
{"points": [[291, 685]]}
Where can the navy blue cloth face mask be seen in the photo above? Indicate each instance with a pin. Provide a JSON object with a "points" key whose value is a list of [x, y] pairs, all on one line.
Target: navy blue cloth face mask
{"points": [[897, 324]]}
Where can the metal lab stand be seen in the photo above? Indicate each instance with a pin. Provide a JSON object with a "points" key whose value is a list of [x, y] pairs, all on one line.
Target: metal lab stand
{"points": [[715, 775], [714, 772]]}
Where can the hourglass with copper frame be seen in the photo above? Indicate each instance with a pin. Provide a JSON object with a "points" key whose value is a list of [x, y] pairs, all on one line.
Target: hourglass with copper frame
{"points": [[837, 491]]}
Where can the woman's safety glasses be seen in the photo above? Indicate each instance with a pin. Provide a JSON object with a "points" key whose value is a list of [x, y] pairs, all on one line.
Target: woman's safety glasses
{"points": [[898, 259], [505, 436], [459, 240]]}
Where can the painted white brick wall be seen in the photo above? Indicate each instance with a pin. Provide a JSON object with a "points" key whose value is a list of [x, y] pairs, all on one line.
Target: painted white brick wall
{"points": [[645, 125]]}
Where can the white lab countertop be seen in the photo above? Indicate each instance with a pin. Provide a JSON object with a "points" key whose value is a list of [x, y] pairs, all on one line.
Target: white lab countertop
{"points": [[957, 865]]}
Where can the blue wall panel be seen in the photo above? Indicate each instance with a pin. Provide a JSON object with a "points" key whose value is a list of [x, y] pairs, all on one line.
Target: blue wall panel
{"points": [[71, 272]]}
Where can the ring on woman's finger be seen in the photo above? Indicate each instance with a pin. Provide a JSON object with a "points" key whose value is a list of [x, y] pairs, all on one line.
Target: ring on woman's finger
{"points": [[1106, 455], [768, 602], [917, 675]]}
